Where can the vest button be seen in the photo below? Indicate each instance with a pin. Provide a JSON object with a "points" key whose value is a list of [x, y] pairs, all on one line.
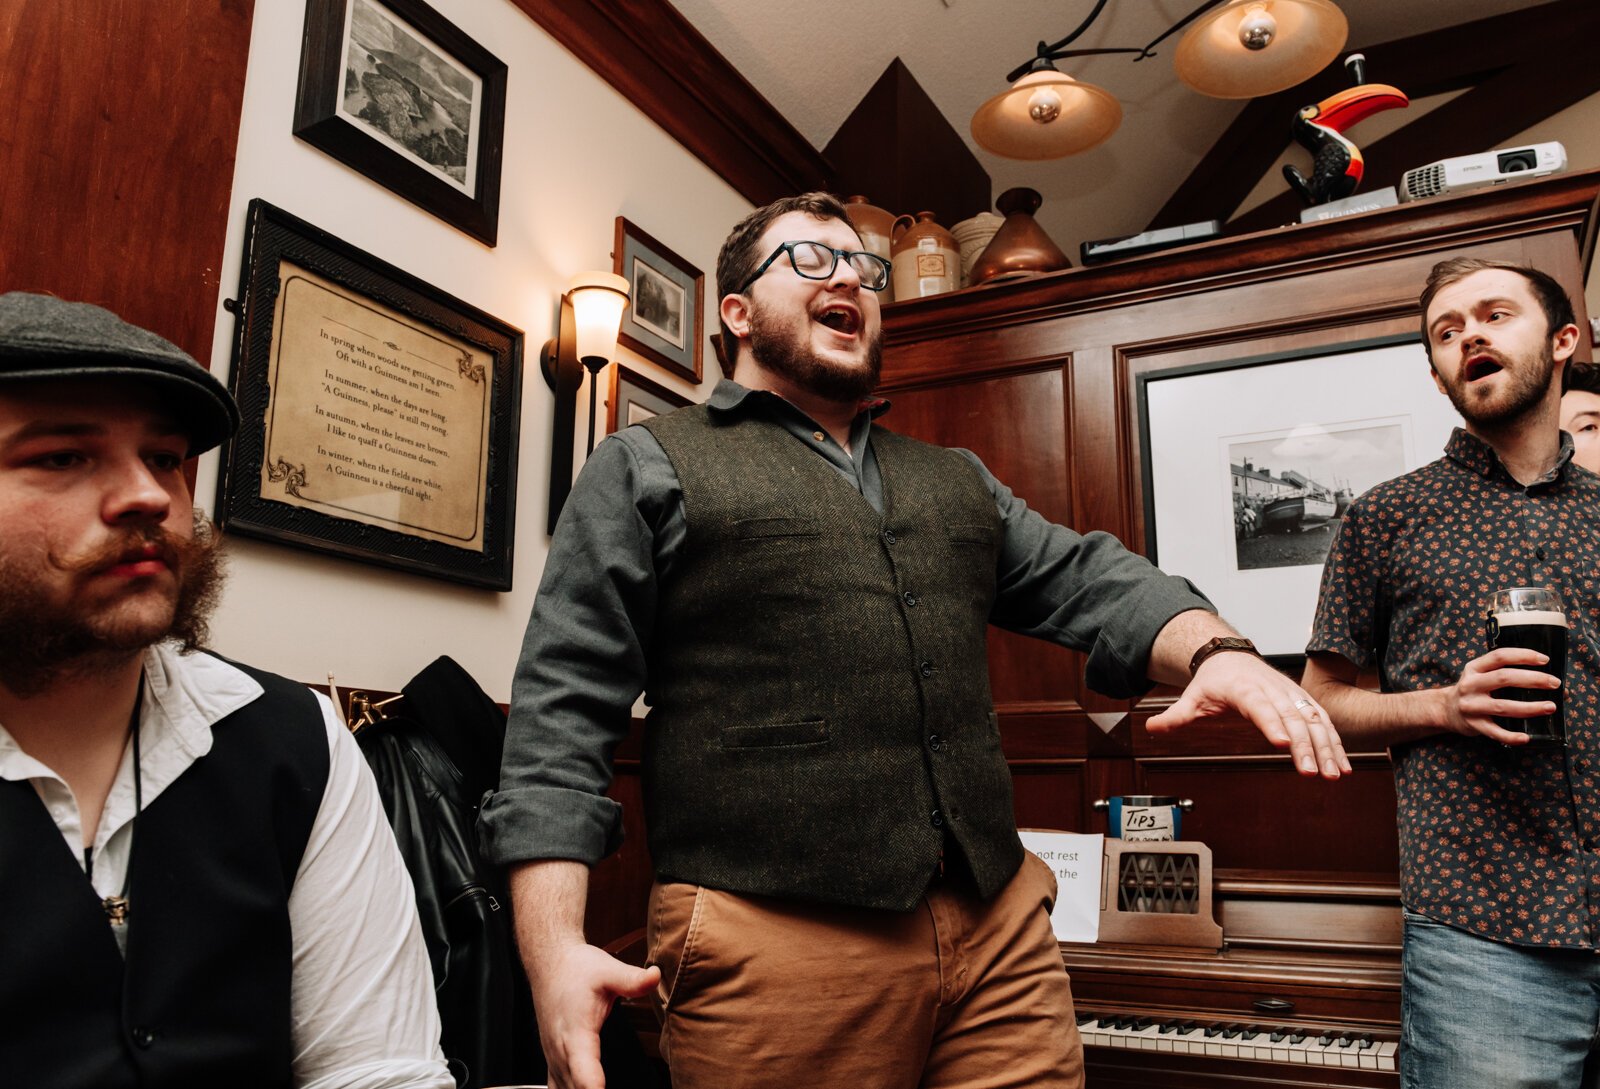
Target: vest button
{"points": [[819, 436], [888, 536], [926, 669], [936, 819], [937, 743], [909, 598], [143, 1037]]}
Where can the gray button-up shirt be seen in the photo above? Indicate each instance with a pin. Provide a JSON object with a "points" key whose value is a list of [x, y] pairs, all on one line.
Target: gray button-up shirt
{"points": [[586, 655]]}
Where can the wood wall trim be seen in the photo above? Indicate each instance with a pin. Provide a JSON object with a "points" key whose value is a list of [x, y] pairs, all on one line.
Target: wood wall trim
{"points": [[651, 54], [1506, 60]]}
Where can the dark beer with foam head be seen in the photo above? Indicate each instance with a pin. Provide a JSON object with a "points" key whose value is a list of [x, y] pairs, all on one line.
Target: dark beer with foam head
{"points": [[1532, 618]]}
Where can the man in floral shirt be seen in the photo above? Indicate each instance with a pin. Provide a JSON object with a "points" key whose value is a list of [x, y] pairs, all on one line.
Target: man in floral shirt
{"points": [[1499, 868]]}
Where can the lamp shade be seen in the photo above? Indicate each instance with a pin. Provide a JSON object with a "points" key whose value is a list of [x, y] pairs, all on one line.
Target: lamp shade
{"points": [[598, 299], [1046, 115], [1248, 48]]}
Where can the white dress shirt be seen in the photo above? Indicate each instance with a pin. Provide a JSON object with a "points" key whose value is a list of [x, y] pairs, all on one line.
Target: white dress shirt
{"points": [[361, 1000]]}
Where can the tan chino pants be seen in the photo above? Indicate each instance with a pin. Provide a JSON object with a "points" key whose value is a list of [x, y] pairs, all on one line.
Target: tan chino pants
{"points": [[957, 994]]}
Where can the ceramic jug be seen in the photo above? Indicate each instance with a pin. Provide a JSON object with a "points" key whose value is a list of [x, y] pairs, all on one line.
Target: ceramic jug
{"points": [[876, 228], [926, 259]]}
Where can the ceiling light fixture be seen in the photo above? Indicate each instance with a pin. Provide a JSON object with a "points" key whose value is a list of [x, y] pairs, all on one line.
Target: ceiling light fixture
{"points": [[1233, 49]]}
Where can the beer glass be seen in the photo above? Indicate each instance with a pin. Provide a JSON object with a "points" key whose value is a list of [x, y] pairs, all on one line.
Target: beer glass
{"points": [[1532, 617]]}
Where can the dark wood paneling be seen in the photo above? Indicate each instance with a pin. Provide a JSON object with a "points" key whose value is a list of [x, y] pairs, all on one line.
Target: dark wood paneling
{"points": [[118, 136], [666, 68], [898, 149]]}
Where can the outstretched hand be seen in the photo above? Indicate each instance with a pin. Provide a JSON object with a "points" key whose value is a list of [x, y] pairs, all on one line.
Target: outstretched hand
{"points": [[576, 987], [1284, 713]]}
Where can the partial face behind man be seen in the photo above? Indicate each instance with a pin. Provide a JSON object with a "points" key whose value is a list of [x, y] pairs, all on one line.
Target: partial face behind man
{"points": [[822, 335], [98, 558], [1494, 353], [1580, 417]]}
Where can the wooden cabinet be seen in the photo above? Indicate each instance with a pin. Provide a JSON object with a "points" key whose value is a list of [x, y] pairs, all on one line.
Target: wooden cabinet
{"points": [[1038, 378]]}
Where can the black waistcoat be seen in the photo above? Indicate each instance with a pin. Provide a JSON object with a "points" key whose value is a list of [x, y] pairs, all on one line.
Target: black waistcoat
{"points": [[203, 997], [821, 716]]}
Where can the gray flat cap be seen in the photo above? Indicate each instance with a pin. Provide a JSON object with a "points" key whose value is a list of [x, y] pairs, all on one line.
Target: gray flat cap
{"points": [[42, 337]]}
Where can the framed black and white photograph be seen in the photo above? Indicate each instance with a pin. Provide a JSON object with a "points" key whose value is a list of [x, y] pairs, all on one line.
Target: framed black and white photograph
{"points": [[393, 90], [633, 398], [380, 414], [662, 322], [1250, 464]]}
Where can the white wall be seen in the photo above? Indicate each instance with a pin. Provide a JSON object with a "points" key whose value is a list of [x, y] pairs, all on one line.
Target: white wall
{"points": [[577, 155]]}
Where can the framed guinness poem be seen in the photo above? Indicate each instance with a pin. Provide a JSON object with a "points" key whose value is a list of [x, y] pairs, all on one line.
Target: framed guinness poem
{"points": [[1249, 465], [380, 415], [393, 90], [633, 398], [668, 299]]}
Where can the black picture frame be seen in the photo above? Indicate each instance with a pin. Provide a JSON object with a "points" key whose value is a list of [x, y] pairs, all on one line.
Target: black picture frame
{"points": [[1331, 414], [629, 390], [664, 287], [285, 258], [431, 66]]}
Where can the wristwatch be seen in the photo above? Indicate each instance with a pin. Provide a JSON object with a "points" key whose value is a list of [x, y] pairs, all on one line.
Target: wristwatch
{"points": [[1219, 644]]}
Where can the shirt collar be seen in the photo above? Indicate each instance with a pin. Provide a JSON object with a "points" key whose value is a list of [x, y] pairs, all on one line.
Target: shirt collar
{"points": [[1475, 455], [730, 397]]}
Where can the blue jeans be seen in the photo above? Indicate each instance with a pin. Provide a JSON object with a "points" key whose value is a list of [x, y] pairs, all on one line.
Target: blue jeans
{"points": [[1477, 1014]]}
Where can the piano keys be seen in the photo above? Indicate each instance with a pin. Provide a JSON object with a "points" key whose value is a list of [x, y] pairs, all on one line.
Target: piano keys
{"points": [[1224, 1040]]}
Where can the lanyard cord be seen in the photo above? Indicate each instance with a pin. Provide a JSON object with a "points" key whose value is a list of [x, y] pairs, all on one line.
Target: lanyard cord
{"points": [[116, 907]]}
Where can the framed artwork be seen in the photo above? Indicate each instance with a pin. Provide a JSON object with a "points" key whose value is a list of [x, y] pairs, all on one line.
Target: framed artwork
{"points": [[668, 301], [380, 415], [1249, 464], [393, 90], [633, 397]]}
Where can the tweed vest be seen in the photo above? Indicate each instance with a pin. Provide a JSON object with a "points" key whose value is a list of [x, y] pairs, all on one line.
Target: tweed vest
{"points": [[203, 996], [820, 711]]}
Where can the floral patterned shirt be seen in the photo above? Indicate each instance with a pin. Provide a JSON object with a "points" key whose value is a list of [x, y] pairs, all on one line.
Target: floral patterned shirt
{"points": [[1502, 842]]}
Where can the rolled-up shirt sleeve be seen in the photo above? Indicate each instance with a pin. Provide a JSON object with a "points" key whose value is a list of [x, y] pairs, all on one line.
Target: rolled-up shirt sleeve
{"points": [[582, 665], [1084, 591]]}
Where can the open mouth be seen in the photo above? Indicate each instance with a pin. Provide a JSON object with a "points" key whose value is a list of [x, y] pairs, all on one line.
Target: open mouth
{"points": [[1481, 366], [841, 319]]}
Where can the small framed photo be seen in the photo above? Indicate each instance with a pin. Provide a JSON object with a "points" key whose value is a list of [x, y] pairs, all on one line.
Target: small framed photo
{"points": [[663, 322], [1249, 465], [379, 414], [393, 90], [634, 398]]}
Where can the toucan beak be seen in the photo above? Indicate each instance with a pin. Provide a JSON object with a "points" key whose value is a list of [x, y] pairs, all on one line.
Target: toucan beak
{"points": [[1338, 112]]}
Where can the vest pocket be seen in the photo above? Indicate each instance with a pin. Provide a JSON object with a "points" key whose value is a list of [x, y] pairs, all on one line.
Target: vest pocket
{"points": [[775, 735], [971, 534], [755, 529]]}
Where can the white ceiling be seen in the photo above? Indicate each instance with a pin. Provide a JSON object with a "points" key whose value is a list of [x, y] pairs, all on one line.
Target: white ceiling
{"points": [[814, 60]]}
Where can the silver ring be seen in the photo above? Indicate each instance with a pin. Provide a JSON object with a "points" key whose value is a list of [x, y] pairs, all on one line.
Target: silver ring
{"points": [[1301, 703]]}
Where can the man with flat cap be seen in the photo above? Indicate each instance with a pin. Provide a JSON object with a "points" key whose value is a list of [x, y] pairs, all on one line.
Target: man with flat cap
{"points": [[197, 882]]}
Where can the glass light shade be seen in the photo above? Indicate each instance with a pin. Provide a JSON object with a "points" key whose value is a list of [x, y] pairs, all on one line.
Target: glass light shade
{"points": [[1214, 60], [1025, 123], [598, 299]]}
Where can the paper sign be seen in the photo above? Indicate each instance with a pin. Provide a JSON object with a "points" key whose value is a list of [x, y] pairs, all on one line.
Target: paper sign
{"points": [[1146, 822], [1076, 861]]}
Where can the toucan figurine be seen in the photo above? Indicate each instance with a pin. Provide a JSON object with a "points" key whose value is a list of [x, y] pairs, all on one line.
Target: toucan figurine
{"points": [[1336, 164]]}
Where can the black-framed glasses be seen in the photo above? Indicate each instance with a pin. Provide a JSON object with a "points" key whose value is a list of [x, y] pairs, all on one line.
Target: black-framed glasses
{"points": [[815, 261]]}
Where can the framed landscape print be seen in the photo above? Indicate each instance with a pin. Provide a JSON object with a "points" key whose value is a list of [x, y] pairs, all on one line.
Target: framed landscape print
{"points": [[379, 414], [393, 90], [668, 298]]}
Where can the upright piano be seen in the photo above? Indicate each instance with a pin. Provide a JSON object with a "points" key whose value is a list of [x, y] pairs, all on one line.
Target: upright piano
{"points": [[1304, 991]]}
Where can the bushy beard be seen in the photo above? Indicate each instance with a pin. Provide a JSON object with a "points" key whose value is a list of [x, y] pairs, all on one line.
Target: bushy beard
{"points": [[1529, 385], [43, 640], [780, 347]]}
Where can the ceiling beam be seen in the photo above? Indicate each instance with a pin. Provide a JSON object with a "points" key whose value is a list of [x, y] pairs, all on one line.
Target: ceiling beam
{"points": [[651, 54], [1506, 60]]}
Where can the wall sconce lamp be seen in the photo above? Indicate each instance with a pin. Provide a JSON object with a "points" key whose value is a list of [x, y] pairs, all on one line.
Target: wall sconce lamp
{"points": [[586, 339], [1233, 49]]}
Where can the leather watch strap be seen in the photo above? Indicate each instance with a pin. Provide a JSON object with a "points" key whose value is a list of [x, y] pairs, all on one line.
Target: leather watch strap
{"points": [[1217, 645]]}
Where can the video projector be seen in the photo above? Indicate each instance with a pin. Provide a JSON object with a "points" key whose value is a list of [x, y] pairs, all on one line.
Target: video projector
{"points": [[1491, 168]]}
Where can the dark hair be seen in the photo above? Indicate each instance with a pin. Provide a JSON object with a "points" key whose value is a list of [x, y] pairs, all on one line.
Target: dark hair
{"points": [[1584, 377], [1552, 296], [738, 258]]}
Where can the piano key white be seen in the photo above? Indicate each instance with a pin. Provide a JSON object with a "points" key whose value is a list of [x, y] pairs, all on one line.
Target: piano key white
{"points": [[1239, 1041]]}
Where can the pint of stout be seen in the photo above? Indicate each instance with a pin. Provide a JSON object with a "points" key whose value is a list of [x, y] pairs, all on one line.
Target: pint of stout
{"points": [[1531, 617]]}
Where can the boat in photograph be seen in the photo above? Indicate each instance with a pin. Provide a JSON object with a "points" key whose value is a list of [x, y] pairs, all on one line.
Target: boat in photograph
{"points": [[1294, 513]]}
